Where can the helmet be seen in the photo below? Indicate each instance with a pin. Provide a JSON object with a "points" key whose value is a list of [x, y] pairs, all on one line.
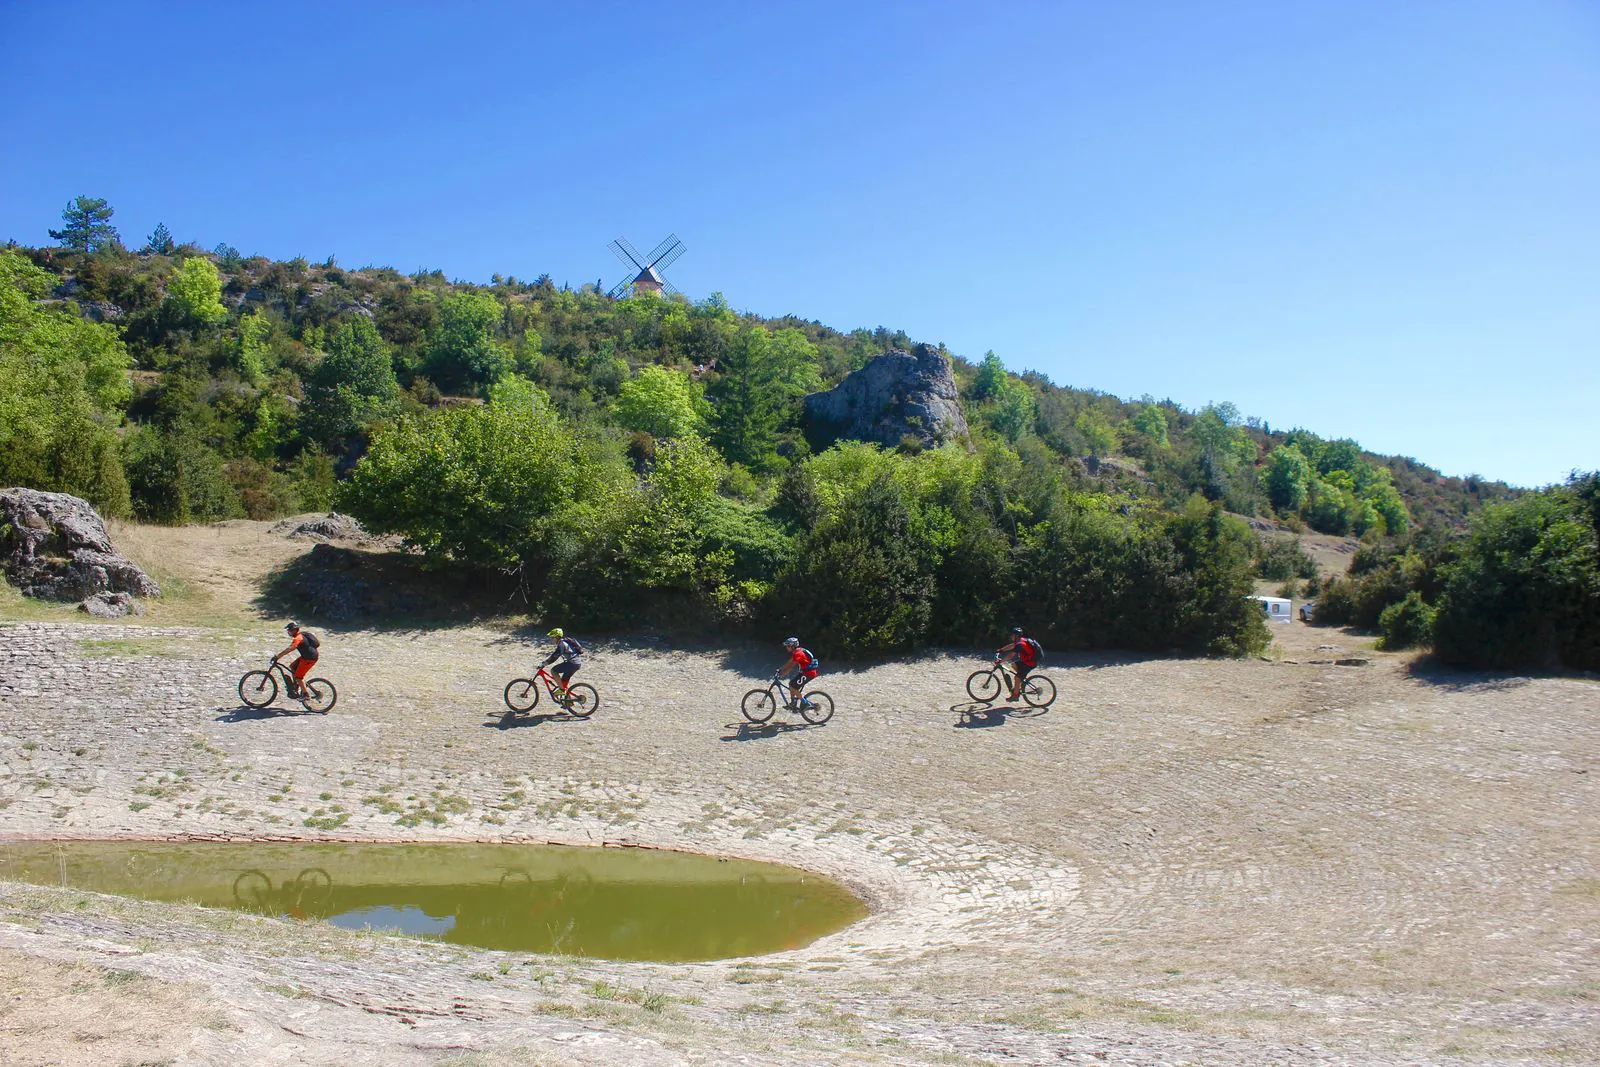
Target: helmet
{"points": [[557, 633], [291, 627], [1017, 630], [791, 642]]}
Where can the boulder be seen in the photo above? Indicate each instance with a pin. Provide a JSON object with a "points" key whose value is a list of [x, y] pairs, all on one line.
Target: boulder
{"points": [[330, 527], [54, 546], [898, 395], [111, 606]]}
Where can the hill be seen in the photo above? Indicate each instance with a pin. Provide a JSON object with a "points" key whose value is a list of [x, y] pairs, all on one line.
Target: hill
{"points": [[648, 458]]}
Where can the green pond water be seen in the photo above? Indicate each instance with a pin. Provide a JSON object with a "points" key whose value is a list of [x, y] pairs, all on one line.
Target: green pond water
{"points": [[625, 904]]}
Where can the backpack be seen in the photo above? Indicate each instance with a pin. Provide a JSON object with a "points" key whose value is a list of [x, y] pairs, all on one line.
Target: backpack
{"points": [[1038, 649], [816, 664], [575, 644], [309, 640]]}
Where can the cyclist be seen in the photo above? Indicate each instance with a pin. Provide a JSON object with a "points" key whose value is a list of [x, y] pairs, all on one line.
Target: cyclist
{"points": [[305, 643], [569, 652], [1022, 652], [802, 665]]}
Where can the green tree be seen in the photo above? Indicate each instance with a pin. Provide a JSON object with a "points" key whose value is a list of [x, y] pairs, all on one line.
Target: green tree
{"points": [[863, 583], [659, 402], [649, 551], [1097, 432], [63, 384], [1525, 591], [1013, 410], [160, 241], [1223, 445], [175, 478], [461, 348], [991, 377], [1288, 479], [505, 486], [194, 293], [1385, 500], [352, 386], [87, 226], [1151, 421], [251, 352], [762, 374]]}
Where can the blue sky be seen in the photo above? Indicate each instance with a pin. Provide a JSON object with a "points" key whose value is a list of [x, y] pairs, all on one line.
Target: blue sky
{"points": [[1374, 220]]}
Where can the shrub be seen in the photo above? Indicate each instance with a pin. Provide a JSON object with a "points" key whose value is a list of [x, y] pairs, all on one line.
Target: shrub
{"points": [[863, 580], [1284, 558], [175, 478], [1407, 624], [1526, 589]]}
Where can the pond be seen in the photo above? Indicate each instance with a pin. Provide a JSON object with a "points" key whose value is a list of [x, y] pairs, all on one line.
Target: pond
{"points": [[622, 904]]}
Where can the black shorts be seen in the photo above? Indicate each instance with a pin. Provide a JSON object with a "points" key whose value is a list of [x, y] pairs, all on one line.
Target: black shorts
{"points": [[565, 670]]}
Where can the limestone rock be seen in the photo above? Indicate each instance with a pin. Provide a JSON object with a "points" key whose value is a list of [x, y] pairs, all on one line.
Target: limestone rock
{"points": [[327, 528], [898, 395], [54, 546], [111, 605]]}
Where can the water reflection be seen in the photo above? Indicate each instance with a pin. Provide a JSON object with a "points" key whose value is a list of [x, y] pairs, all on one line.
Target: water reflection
{"points": [[614, 904]]}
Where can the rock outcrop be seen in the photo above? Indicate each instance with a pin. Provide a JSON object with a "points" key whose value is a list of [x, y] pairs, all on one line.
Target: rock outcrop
{"points": [[54, 546], [325, 529], [897, 396]]}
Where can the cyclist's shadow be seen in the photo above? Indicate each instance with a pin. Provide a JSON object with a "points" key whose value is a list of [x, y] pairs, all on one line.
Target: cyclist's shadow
{"points": [[976, 715], [512, 721], [752, 731], [245, 713]]}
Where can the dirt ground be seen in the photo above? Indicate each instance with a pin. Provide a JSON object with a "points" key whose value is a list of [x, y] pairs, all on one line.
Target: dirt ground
{"points": [[1276, 861]]}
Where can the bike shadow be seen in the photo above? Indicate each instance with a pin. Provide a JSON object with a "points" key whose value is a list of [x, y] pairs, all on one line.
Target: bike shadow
{"points": [[753, 731], [512, 721], [975, 715], [245, 713]]}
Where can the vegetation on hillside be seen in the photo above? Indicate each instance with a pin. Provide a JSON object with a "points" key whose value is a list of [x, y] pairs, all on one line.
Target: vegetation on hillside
{"points": [[645, 457], [1520, 590]]}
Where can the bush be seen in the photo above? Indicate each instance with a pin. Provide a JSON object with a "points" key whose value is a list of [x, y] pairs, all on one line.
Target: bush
{"points": [[1284, 558], [863, 581], [1526, 589], [175, 478], [504, 486], [1407, 624]]}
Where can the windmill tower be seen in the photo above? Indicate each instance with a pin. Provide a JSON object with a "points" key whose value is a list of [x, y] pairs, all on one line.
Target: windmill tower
{"points": [[648, 278]]}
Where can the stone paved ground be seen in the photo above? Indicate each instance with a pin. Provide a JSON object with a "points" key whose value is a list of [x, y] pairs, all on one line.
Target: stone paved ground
{"points": [[1273, 861]]}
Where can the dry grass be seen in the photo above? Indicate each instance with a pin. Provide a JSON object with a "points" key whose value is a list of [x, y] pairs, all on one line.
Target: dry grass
{"points": [[66, 1014]]}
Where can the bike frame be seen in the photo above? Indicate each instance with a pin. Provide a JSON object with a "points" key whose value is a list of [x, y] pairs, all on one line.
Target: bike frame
{"points": [[551, 684], [781, 685]]}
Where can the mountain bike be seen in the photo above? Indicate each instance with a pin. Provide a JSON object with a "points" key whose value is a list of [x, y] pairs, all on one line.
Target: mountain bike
{"points": [[986, 686], [259, 688], [759, 705], [306, 894], [579, 698]]}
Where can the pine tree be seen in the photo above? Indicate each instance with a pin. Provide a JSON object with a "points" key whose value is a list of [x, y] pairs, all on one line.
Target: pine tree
{"points": [[88, 226], [160, 241]]}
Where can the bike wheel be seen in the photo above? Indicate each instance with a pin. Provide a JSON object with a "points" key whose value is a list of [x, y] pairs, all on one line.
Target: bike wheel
{"points": [[319, 695], [522, 695], [759, 705], [984, 686], [1038, 691], [315, 885], [252, 889], [258, 689], [581, 700], [819, 708]]}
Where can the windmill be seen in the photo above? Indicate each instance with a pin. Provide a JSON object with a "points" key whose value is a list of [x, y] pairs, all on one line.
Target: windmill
{"points": [[648, 279]]}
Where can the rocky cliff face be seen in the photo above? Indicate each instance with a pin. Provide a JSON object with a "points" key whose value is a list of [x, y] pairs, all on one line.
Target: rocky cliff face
{"points": [[54, 546], [897, 396]]}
